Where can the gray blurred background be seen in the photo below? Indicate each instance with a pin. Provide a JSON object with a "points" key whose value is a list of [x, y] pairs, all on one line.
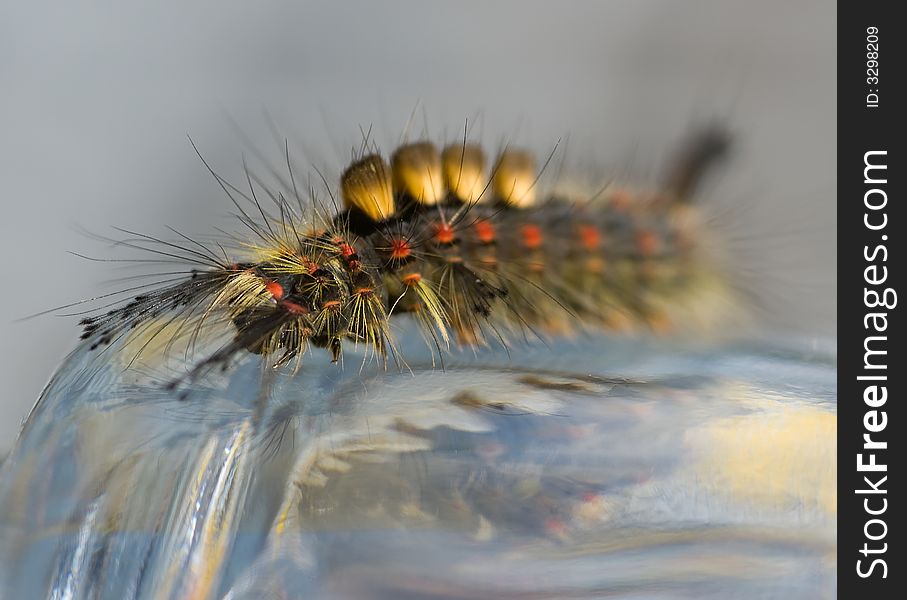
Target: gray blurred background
{"points": [[97, 103]]}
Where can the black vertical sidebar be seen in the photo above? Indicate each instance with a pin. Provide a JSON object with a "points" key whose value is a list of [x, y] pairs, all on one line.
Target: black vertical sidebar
{"points": [[872, 438]]}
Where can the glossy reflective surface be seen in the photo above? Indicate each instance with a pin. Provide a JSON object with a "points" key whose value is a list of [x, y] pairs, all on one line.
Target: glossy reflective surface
{"points": [[599, 468]]}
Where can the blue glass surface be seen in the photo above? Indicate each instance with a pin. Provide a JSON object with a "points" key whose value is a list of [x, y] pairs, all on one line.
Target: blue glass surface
{"points": [[589, 468]]}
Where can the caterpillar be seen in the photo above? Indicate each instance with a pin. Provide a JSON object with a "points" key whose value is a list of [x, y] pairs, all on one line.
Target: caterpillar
{"points": [[468, 247]]}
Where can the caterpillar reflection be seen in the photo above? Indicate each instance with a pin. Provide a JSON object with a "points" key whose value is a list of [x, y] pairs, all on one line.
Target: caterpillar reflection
{"points": [[465, 245]]}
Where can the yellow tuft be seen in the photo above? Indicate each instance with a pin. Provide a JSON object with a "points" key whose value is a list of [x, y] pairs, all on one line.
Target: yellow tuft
{"points": [[434, 308], [417, 172], [514, 178], [367, 321], [366, 185], [243, 291], [464, 171]]}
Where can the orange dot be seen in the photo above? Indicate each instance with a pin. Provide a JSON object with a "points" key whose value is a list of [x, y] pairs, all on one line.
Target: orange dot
{"points": [[411, 279], [444, 233], [647, 242], [346, 250], [292, 307], [400, 249], [532, 236], [484, 231], [590, 237], [275, 289]]}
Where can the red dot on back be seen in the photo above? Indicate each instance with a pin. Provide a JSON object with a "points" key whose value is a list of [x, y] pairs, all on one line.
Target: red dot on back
{"points": [[484, 231], [411, 279], [400, 249], [293, 307], [444, 233], [275, 289], [590, 237], [532, 236], [647, 242]]}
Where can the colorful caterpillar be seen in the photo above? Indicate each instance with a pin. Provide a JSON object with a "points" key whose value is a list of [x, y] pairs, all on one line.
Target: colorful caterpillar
{"points": [[473, 253]]}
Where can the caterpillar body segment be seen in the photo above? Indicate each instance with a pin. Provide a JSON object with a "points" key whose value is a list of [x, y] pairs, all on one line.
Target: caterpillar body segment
{"points": [[474, 254]]}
